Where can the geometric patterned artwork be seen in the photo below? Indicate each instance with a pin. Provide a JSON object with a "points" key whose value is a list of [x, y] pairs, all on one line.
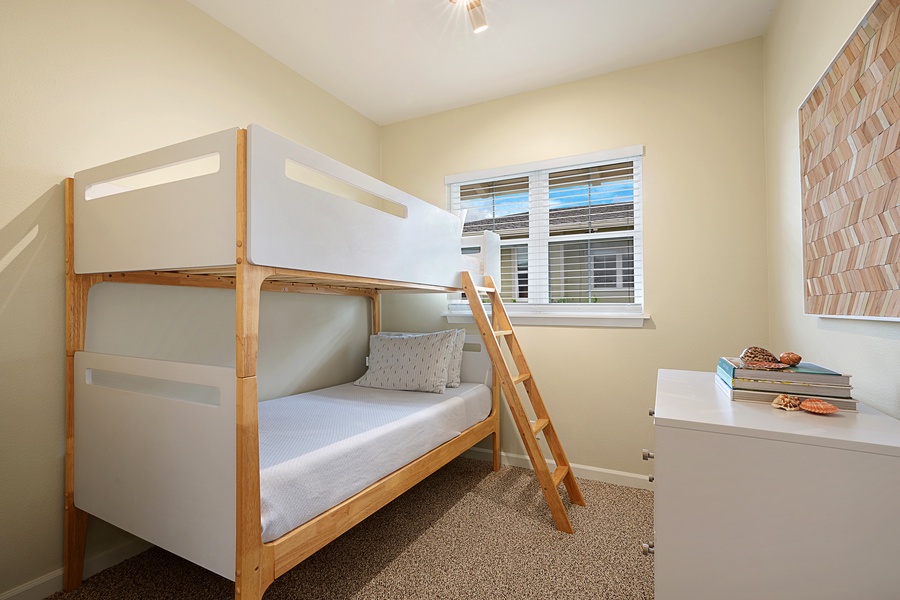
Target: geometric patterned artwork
{"points": [[850, 176]]}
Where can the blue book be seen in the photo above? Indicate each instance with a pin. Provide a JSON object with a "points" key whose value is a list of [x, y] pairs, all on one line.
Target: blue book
{"points": [[805, 372]]}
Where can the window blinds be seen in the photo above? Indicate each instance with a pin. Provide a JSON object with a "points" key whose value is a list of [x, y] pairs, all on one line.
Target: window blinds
{"points": [[570, 236]]}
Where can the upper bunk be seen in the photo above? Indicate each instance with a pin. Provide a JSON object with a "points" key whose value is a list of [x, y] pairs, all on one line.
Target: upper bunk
{"points": [[197, 208]]}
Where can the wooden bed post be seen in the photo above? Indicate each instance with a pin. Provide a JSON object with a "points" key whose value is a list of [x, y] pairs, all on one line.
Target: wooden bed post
{"points": [[77, 288], [254, 564], [254, 568], [376, 311]]}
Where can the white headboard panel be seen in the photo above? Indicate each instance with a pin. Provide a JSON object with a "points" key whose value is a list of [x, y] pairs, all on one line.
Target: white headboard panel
{"points": [[331, 234], [182, 224]]}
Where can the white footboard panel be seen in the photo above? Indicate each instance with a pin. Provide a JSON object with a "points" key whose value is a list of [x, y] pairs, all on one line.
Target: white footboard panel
{"points": [[301, 226], [155, 453]]}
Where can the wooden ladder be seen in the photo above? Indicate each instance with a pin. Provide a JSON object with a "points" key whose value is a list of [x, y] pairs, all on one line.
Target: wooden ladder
{"points": [[491, 334]]}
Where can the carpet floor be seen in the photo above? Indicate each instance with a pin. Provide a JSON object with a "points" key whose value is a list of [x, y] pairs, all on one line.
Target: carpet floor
{"points": [[466, 532]]}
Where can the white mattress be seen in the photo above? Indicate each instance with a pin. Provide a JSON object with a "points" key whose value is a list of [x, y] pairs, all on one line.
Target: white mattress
{"points": [[319, 448]]}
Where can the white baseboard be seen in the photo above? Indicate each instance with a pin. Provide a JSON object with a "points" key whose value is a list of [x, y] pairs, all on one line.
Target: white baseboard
{"points": [[52, 582], [634, 480]]}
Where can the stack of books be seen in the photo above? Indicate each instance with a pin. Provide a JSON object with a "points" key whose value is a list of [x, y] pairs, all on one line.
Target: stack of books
{"points": [[806, 380]]}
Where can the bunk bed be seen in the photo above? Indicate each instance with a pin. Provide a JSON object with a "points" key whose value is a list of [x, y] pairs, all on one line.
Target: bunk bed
{"points": [[184, 455]]}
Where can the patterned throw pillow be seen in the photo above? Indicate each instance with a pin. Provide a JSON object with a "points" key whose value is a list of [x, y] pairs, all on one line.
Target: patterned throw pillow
{"points": [[413, 363], [454, 368]]}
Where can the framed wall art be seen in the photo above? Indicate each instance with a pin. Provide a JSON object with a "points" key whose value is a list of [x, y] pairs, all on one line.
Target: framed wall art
{"points": [[850, 176]]}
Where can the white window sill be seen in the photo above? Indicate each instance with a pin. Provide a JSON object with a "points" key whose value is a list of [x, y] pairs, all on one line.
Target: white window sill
{"points": [[559, 319]]}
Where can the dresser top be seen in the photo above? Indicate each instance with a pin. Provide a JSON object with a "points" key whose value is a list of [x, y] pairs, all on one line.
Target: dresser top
{"points": [[692, 400]]}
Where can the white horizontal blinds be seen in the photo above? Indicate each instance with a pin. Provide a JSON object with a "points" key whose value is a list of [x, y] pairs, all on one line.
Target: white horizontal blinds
{"points": [[591, 252], [570, 230], [590, 199], [501, 206], [592, 271], [514, 272]]}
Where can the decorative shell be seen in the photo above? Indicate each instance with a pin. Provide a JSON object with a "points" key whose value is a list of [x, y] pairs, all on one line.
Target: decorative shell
{"points": [[785, 402], [765, 366], [757, 354], [820, 407], [790, 358]]}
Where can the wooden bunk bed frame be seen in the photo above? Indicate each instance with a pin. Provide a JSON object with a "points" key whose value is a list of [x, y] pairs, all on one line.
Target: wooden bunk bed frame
{"points": [[257, 564]]}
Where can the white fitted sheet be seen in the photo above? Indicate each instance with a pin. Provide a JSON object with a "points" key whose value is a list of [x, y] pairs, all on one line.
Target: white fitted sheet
{"points": [[319, 448]]}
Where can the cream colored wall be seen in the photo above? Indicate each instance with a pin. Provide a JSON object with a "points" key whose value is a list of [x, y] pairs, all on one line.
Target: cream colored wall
{"points": [[803, 38], [89, 81], [700, 119]]}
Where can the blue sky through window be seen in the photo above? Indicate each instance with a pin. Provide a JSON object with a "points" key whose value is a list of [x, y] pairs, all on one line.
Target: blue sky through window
{"points": [[503, 205], [611, 192]]}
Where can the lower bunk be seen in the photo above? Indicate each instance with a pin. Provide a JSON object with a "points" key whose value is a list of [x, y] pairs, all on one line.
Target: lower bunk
{"points": [[155, 455], [319, 448]]}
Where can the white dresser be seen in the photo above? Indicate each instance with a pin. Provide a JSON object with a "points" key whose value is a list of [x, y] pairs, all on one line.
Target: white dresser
{"points": [[757, 503]]}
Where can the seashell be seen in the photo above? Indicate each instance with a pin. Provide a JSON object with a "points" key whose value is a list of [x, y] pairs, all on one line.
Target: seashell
{"points": [[757, 354], [820, 407], [785, 402], [764, 366], [790, 358]]}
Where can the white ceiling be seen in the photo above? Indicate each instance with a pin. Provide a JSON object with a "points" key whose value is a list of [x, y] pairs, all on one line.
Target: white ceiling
{"points": [[393, 60]]}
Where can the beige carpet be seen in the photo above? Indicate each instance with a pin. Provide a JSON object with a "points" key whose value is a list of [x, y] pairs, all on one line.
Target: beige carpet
{"points": [[465, 532]]}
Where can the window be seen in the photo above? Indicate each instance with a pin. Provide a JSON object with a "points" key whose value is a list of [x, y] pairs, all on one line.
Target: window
{"points": [[570, 234], [612, 266]]}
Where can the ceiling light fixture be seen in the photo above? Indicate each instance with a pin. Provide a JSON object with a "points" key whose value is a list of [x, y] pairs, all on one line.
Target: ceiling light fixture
{"points": [[476, 15]]}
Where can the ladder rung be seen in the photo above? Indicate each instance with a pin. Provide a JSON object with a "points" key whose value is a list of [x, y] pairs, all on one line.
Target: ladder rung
{"points": [[559, 474], [485, 290], [538, 426], [521, 377], [502, 332]]}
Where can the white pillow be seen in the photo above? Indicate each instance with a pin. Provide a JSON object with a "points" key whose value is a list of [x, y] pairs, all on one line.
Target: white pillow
{"points": [[413, 363], [454, 368]]}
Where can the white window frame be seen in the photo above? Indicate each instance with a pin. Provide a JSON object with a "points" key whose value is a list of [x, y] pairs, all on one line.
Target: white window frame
{"points": [[538, 310]]}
